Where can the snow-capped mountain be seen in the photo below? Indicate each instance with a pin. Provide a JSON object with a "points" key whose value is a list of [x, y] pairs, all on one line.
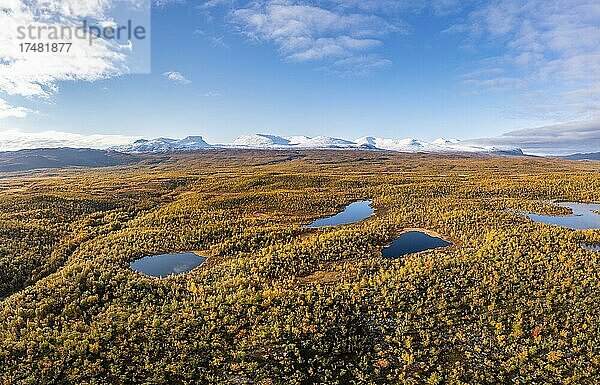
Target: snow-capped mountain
{"points": [[445, 142], [403, 145], [159, 145], [439, 145], [321, 142], [274, 142], [260, 141]]}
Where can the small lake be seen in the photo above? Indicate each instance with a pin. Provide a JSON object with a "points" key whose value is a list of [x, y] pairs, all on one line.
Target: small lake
{"points": [[591, 247], [167, 264], [583, 217], [413, 242], [354, 212]]}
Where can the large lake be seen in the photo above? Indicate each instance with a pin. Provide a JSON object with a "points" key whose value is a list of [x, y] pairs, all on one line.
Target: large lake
{"points": [[164, 265], [583, 217], [413, 242], [354, 212]]}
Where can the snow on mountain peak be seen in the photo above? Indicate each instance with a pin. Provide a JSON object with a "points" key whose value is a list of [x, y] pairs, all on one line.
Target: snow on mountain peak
{"points": [[260, 141], [445, 142], [265, 141], [272, 141], [366, 140], [327, 142], [161, 145], [192, 139], [404, 145], [297, 139]]}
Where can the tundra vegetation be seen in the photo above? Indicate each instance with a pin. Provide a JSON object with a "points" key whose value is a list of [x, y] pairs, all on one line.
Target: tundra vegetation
{"points": [[512, 301]]}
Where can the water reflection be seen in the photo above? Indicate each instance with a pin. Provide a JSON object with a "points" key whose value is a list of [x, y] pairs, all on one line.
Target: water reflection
{"points": [[164, 265], [585, 216], [413, 242], [354, 212], [591, 247]]}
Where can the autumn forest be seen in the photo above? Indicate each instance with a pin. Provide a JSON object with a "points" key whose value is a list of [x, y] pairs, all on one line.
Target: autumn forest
{"points": [[510, 302]]}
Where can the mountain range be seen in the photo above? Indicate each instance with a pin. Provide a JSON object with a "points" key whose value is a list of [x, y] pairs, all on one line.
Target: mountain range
{"points": [[41, 158], [273, 142]]}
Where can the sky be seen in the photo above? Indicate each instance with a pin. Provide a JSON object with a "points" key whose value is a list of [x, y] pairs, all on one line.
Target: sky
{"points": [[507, 72]]}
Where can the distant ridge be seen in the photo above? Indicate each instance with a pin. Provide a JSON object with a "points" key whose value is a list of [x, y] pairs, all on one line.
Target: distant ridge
{"points": [[588, 156], [274, 142], [24, 160]]}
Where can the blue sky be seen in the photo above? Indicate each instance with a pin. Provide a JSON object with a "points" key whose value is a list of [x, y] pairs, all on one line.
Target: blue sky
{"points": [[438, 68]]}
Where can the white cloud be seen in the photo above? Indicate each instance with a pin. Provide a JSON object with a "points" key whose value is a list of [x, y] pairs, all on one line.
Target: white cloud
{"points": [[213, 40], [11, 140], [38, 75], [215, 3], [164, 3], [357, 65], [320, 32], [176, 77], [557, 139], [9, 111], [329, 32], [551, 48]]}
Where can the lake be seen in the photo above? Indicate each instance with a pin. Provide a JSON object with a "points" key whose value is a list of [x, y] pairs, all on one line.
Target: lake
{"points": [[583, 217], [164, 265], [413, 242], [354, 212]]}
